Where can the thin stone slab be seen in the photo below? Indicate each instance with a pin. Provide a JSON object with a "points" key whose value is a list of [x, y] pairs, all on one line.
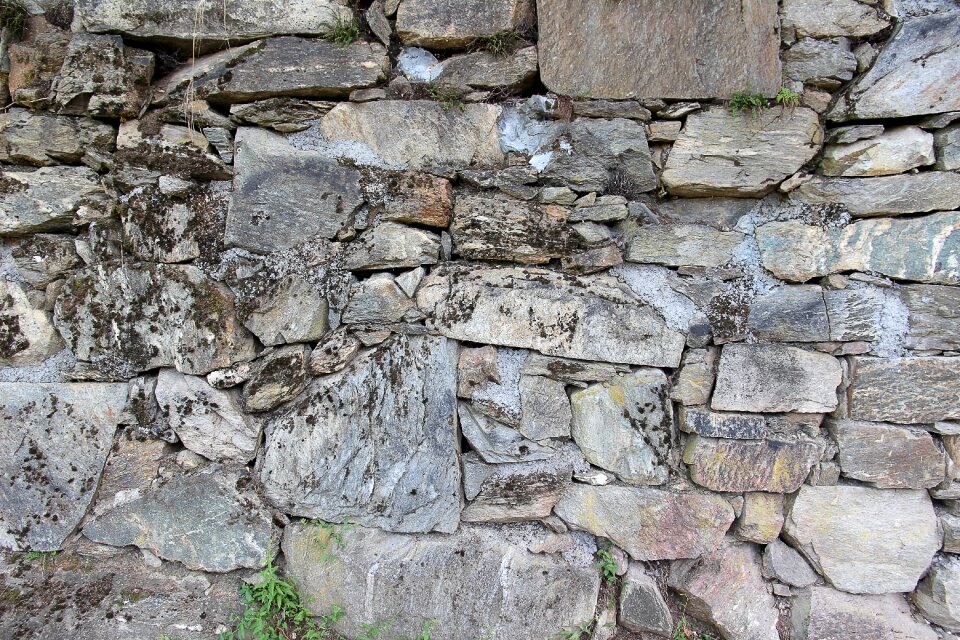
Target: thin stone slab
{"points": [[650, 49], [440, 25], [884, 195], [374, 443], [41, 139], [822, 613], [896, 150], [587, 318], [49, 199], [53, 446], [934, 316], [775, 466], [682, 245], [887, 456], [905, 390], [392, 246], [832, 18]]}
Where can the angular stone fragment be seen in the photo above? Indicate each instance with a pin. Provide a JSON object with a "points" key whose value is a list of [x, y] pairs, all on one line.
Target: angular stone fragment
{"points": [[497, 442], [53, 445], [292, 311], [333, 352], [951, 532], [783, 563], [725, 588], [202, 520], [790, 314], [420, 133], [936, 596], [820, 63], [588, 318], [374, 443], [570, 371], [855, 314], [896, 150], [720, 153], [283, 196], [682, 245], [647, 523], [208, 421], [140, 317], [481, 580], [545, 408], [761, 517], [934, 316], [279, 376], [694, 383], [775, 378], [392, 246], [826, 524], [905, 390], [642, 607], [647, 49], [377, 299], [491, 378], [775, 466], [27, 335], [40, 139], [887, 195], [631, 109], [830, 18], [49, 199], [913, 75], [285, 115], [42, 258], [887, 456], [35, 64], [822, 613], [485, 70], [946, 142], [626, 425], [852, 133], [925, 249], [417, 198], [438, 25]]}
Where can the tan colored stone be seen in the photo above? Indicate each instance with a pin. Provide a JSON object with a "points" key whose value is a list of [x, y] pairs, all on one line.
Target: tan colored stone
{"points": [[775, 466], [905, 390], [761, 517], [437, 24]]}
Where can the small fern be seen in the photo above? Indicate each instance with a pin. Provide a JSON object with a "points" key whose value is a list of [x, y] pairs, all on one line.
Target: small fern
{"points": [[787, 98], [743, 101]]}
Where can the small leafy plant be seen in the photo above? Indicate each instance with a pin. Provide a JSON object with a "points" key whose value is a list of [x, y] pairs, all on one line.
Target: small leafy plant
{"points": [[577, 632], [43, 558], [607, 565], [448, 97], [342, 32], [373, 631], [743, 101], [682, 630], [787, 98], [329, 534], [13, 18]]}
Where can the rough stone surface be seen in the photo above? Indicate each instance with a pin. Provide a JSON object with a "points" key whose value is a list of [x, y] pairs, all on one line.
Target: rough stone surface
{"points": [[761, 517], [42, 258], [694, 384], [286, 115], [485, 70], [48, 199], [544, 408], [27, 335], [648, 49], [905, 390], [830, 18], [894, 151], [822, 613], [417, 198], [887, 456], [279, 376], [946, 142], [720, 153], [497, 442], [642, 607], [44, 140], [775, 466], [649, 524], [934, 317], [682, 245], [376, 299], [826, 525], [781, 562], [820, 63], [393, 246], [887, 195], [936, 595], [293, 311], [439, 25]]}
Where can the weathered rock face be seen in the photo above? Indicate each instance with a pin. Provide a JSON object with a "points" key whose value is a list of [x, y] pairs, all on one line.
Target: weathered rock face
{"points": [[786, 565], [374, 444], [682, 245], [933, 317], [292, 311], [720, 153], [889, 195], [280, 375], [584, 318], [821, 613], [480, 580], [27, 335], [761, 517], [42, 258], [647, 49], [438, 25], [905, 390], [829, 18], [826, 525], [947, 145], [825, 64], [55, 440], [378, 299], [649, 524], [887, 456], [49, 199], [416, 198], [393, 246], [936, 596], [173, 520], [485, 70], [497, 442], [895, 151], [45, 140], [812, 314], [642, 607], [777, 466]]}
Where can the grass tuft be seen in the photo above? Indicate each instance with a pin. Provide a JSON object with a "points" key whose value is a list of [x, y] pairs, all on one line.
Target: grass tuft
{"points": [[342, 32], [448, 97], [743, 101], [13, 18]]}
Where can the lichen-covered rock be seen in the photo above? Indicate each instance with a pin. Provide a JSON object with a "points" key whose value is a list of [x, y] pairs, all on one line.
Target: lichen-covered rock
{"points": [[887, 456], [439, 25], [205, 521], [41, 258], [642, 607], [885, 195], [889, 554], [647, 523], [830, 18], [822, 613], [544, 408], [333, 352], [894, 151], [588, 318], [496, 442], [49, 199], [682, 245], [647, 49], [291, 311], [720, 153], [378, 299], [905, 390], [374, 443], [416, 198], [27, 335], [278, 377], [746, 426], [392, 246], [934, 316], [478, 581], [820, 63], [775, 466], [937, 595], [761, 517], [53, 445], [286, 115], [40, 139], [626, 425], [139, 317]]}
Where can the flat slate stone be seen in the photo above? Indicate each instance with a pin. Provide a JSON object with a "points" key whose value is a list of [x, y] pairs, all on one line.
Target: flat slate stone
{"points": [[392, 246], [887, 456], [822, 613], [480, 580], [896, 150], [934, 316], [682, 245], [885, 195], [54, 442], [436, 24], [42, 139], [720, 153], [653, 49], [48, 199], [936, 596], [485, 70], [283, 196], [865, 540], [905, 390], [832, 18], [586, 318], [925, 249], [820, 63], [201, 520], [647, 523], [775, 466], [374, 443]]}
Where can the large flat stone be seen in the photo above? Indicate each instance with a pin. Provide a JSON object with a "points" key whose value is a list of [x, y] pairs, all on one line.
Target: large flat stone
{"points": [[761, 378], [905, 390], [587, 318], [865, 540], [655, 49], [913, 75], [54, 440], [481, 580], [822, 613], [831, 18], [41, 139], [746, 426], [925, 249], [934, 316], [720, 153], [811, 314], [682, 245], [440, 25], [374, 444], [647, 523], [48, 199], [27, 335], [283, 196], [885, 195], [392, 246], [887, 456], [896, 150], [774, 466]]}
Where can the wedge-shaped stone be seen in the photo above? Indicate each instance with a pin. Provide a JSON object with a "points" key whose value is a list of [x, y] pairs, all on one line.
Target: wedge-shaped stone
{"points": [[913, 75], [278, 376], [650, 49], [762, 378], [626, 425], [375, 443], [682, 245], [49, 199], [905, 390], [392, 246], [183, 22], [588, 318], [496, 442], [821, 63], [934, 316], [419, 134], [887, 456], [774, 466], [143, 316], [885, 195], [865, 540], [725, 588], [720, 153], [642, 607], [27, 335], [925, 249], [647, 523], [42, 258], [40, 139], [208, 421], [481, 580], [439, 25], [202, 520], [830, 18], [53, 445], [761, 517], [936, 596], [291, 311], [894, 151], [283, 196], [822, 613]]}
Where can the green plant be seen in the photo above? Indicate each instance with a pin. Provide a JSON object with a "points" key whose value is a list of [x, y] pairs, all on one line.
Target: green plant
{"points": [[425, 630], [342, 32], [787, 98], [329, 534], [44, 557], [575, 633], [274, 610], [13, 18], [448, 97], [607, 565], [500, 43], [682, 630], [373, 631], [741, 101]]}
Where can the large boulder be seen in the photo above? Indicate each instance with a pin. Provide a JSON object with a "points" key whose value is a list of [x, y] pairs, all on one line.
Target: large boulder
{"points": [[49, 199], [905, 390], [822, 613]]}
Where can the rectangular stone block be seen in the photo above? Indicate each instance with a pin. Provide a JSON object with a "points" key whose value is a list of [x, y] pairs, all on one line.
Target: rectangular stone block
{"points": [[905, 390]]}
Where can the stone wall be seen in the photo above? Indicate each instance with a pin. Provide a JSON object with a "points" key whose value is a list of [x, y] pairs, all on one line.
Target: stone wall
{"points": [[481, 318]]}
